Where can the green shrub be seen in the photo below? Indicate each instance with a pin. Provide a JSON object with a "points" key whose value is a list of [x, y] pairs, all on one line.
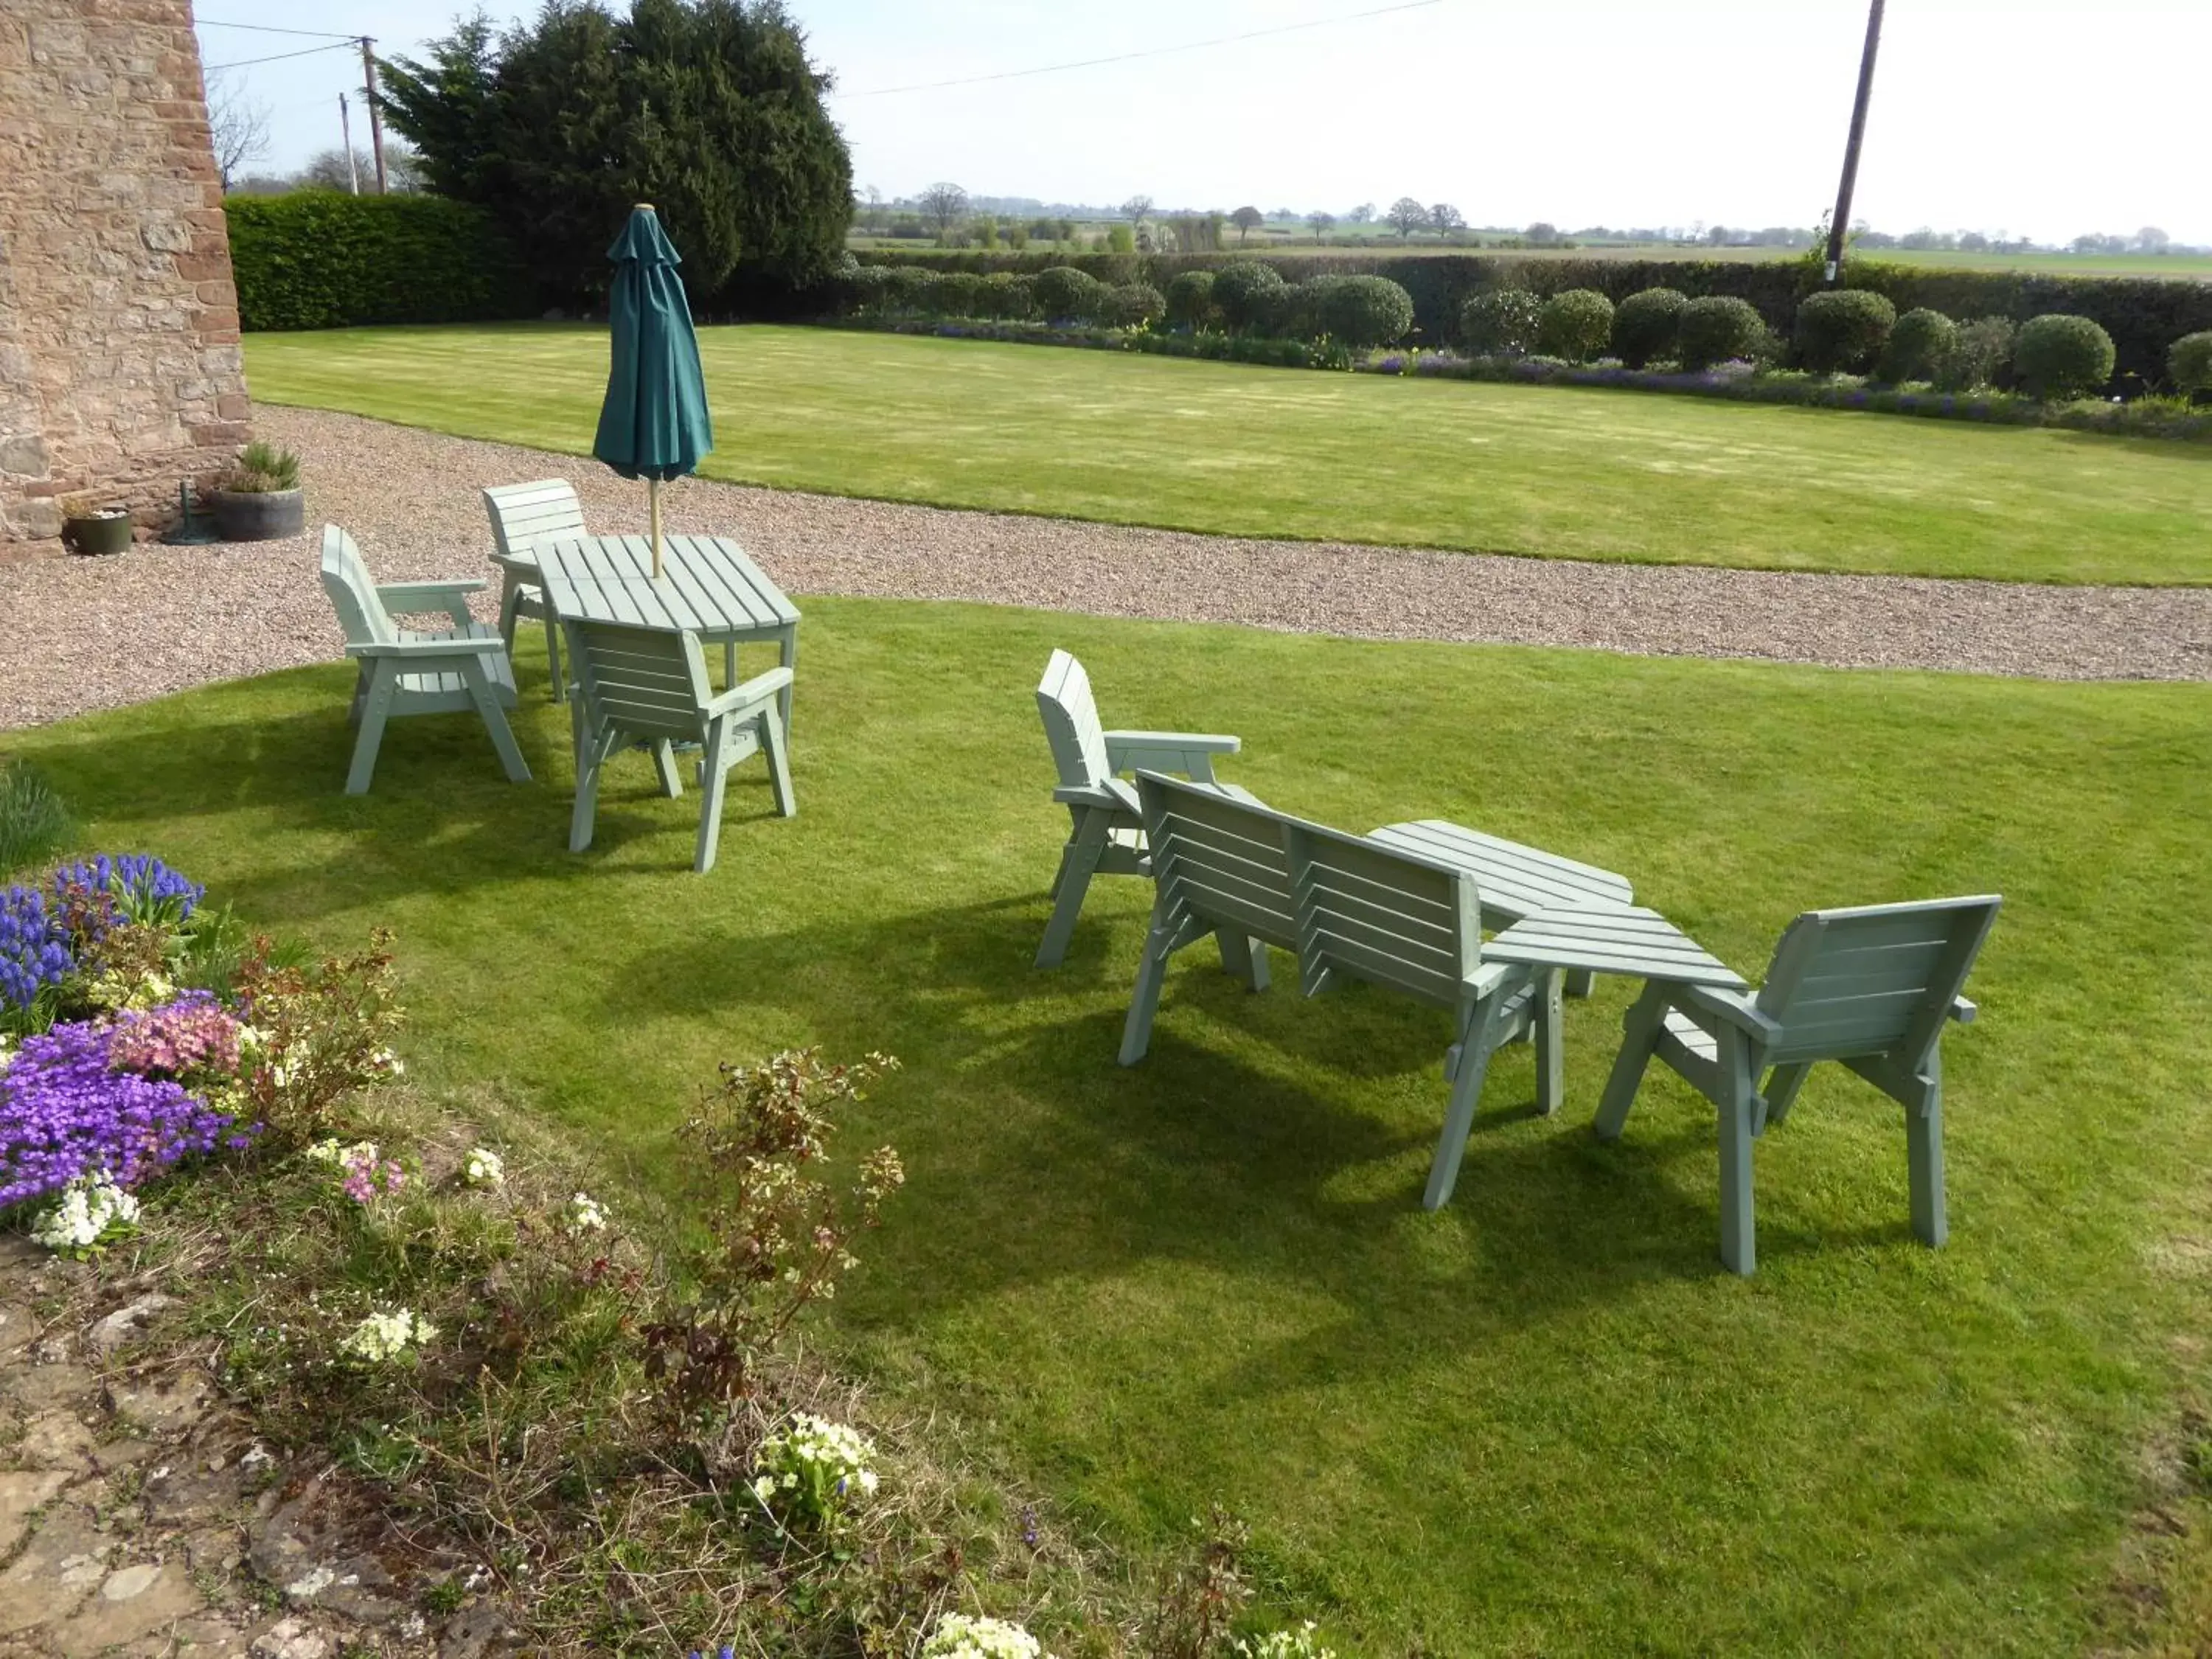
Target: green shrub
{"points": [[1360, 310], [2190, 363], [1981, 356], [1065, 295], [1006, 296], [1843, 330], [1249, 296], [1501, 323], [321, 259], [2057, 357], [1133, 304], [1718, 329], [34, 825], [263, 469], [1190, 298], [952, 294], [1919, 345], [1577, 325], [1644, 324]]}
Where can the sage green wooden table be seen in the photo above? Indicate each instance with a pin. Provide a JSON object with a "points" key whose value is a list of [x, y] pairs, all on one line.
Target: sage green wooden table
{"points": [[708, 584], [1612, 939]]}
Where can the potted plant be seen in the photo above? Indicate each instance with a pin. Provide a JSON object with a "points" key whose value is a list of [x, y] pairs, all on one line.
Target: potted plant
{"points": [[93, 526], [260, 499]]}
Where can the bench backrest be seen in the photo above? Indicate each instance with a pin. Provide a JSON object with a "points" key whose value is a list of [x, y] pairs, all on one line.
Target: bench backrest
{"points": [[353, 594], [1876, 979], [1347, 905], [1070, 724], [526, 513], [650, 681]]}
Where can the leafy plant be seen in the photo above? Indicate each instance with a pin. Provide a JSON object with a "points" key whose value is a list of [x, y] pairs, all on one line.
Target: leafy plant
{"points": [[34, 822], [1202, 1593], [1576, 325], [1645, 324], [2190, 363], [2058, 357], [1843, 330], [1718, 329], [1981, 355], [263, 469], [325, 1030], [1919, 345], [1502, 322]]}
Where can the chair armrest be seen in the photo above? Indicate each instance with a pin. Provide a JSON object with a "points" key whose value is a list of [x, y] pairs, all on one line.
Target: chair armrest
{"points": [[1737, 1010], [1188, 752], [1091, 795], [758, 688], [400, 596], [489, 645], [1964, 1012]]}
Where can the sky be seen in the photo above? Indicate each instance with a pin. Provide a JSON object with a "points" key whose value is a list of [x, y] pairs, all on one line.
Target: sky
{"points": [[2045, 118]]}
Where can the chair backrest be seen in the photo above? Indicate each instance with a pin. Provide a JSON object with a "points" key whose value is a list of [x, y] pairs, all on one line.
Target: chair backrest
{"points": [[1877, 980], [1070, 724], [649, 681], [1347, 905], [353, 594], [526, 513]]}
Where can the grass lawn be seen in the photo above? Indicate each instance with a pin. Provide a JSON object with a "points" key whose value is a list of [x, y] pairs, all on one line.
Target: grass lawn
{"points": [[1226, 447], [1542, 1420]]}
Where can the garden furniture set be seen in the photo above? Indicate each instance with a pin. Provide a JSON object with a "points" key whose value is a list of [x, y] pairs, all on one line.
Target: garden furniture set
{"points": [[625, 646], [1405, 907]]}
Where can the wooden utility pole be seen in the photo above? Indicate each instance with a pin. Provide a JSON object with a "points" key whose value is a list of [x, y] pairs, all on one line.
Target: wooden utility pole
{"points": [[1841, 224], [375, 115], [345, 128]]}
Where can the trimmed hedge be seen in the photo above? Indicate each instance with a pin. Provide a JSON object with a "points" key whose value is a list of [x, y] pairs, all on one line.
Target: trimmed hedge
{"points": [[1502, 323], [1920, 342], [2058, 358], [2144, 315], [1576, 325], [1644, 324], [1717, 329], [321, 259], [1249, 294], [1190, 298], [1843, 331]]}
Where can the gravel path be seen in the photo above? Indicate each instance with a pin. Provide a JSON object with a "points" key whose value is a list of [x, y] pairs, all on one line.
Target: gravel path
{"points": [[81, 633]]}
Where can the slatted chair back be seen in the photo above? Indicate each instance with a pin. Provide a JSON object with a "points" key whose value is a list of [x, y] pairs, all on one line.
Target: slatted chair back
{"points": [[651, 682], [353, 594], [1878, 980], [1388, 917], [1219, 863], [526, 513], [1070, 724]]}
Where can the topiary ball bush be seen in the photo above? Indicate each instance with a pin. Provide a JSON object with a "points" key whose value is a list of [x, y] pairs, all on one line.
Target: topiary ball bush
{"points": [[1249, 295], [1363, 311], [1718, 329], [1644, 324], [2058, 358], [1501, 322], [1576, 325], [1131, 305], [1919, 345], [1190, 300], [1009, 295], [2190, 363], [952, 294], [1065, 295], [1843, 330]]}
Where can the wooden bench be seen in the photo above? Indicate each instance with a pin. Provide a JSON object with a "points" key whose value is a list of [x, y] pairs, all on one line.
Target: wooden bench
{"points": [[1351, 909]]}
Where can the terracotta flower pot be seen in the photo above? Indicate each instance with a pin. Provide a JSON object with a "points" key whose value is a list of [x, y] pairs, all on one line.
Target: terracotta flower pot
{"points": [[262, 515]]}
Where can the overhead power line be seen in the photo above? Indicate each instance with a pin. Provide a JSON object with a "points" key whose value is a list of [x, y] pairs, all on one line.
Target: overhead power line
{"points": [[1149, 51], [271, 29], [350, 41]]}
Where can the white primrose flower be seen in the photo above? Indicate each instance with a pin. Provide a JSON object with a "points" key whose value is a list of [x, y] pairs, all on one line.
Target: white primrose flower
{"points": [[1299, 1643], [959, 1637], [586, 1214], [86, 1209], [483, 1167], [816, 1465], [384, 1061], [385, 1336], [333, 1152], [6, 1051]]}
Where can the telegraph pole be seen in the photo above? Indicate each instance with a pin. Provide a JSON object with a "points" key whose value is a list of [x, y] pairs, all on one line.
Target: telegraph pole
{"points": [[375, 115], [345, 127], [1841, 223]]}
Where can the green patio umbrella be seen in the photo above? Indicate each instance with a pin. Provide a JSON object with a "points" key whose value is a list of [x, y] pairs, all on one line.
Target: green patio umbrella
{"points": [[654, 423]]}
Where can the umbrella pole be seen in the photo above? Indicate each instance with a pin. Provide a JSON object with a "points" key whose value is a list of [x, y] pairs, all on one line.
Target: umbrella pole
{"points": [[653, 502]]}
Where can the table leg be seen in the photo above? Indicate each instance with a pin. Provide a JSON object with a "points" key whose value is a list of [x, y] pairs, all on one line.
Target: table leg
{"points": [[1579, 982], [729, 664], [789, 642]]}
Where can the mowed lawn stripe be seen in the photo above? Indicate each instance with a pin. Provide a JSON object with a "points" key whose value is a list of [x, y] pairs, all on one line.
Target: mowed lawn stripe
{"points": [[1235, 450]]}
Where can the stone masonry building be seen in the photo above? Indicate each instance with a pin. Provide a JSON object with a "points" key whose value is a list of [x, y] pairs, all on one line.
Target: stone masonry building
{"points": [[119, 365]]}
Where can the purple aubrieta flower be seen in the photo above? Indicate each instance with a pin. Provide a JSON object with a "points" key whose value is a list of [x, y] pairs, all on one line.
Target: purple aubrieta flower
{"points": [[65, 1112]]}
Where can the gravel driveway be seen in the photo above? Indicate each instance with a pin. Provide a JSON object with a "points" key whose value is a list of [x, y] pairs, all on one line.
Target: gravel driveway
{"points": [[82, 633]]}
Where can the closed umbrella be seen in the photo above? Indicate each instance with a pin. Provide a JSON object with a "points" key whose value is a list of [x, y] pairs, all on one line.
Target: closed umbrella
{"points": [[654, 423]]}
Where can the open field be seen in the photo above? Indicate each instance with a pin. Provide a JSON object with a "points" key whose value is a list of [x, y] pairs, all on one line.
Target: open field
{"points": [[1540, 1421], [1224, 447]]}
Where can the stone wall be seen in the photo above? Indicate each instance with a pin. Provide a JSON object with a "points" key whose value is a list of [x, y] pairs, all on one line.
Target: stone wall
{"points": [[119, 365]]}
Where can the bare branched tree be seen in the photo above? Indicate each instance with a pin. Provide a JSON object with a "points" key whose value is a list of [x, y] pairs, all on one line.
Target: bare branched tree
{"points": [[241, 125], [942, 204], [1322, 223], [1406, 216], [1137, 210]]}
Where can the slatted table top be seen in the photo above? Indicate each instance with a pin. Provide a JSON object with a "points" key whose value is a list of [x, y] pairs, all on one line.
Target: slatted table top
{"points": [[708, 584], [1515, 880], [1612, 939]]}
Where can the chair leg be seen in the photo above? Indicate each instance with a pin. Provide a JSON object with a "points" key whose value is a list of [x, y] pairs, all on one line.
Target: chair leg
{"points": [[1782, 1086], [1476, 1041], [1579, 982], [1547, 1017], [1640, 1036], [1145, 998], [778, 764], [592, 749], [1077, 863], [375, 708], [553, 656], [494, 719], [1245, 958], [713, 783], [664, 762], [1739, 1250], [1923, 1158], [510, 609]]}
